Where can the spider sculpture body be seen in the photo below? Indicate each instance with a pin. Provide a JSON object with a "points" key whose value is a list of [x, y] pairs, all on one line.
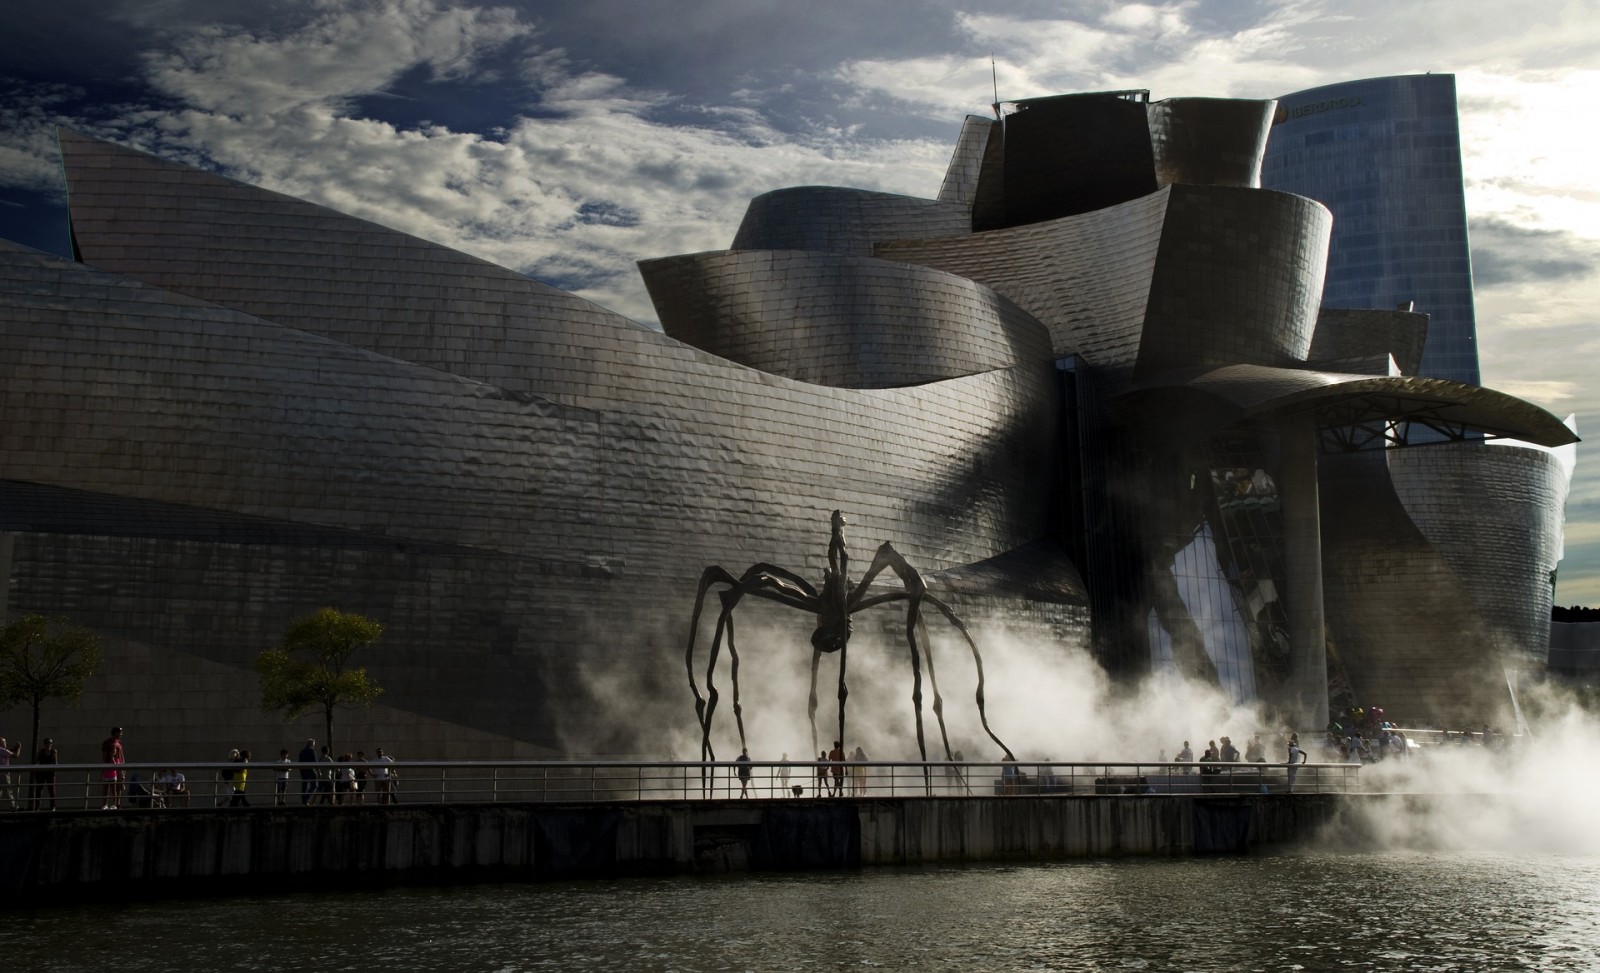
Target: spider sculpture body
{"points": [[832, 607]]}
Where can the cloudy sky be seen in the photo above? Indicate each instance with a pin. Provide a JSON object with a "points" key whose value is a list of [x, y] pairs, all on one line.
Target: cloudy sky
{"points": [[570, 138]]}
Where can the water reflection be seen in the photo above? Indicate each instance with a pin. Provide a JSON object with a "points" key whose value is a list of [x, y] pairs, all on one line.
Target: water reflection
{"points": [[1479, 912]]}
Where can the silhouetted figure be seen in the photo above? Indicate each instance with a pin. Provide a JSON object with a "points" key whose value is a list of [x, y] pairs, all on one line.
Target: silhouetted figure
{"points": [[742, 768], [954, 777], [44, 781], [1254, 751], [1296, 758], [308, 775], [858, 772], [1010, 775], [240, 778]]}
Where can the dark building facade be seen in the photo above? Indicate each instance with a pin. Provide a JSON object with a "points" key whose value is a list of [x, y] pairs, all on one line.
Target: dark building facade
{"points": [[1095, 422]]}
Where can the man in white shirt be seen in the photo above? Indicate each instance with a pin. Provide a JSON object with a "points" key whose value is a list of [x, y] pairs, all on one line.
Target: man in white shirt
{"points": [[384, 775]]}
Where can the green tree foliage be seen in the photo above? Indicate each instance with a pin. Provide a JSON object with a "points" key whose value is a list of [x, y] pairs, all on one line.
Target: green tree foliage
{"points": [[312, 667], [42, 658]]}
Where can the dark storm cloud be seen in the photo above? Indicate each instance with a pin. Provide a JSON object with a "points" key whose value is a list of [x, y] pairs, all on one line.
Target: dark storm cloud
{"points": [[1504, 254]]}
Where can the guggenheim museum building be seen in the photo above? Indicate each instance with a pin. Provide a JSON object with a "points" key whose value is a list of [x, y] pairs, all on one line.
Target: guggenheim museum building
{"points": [[1107, 390]]}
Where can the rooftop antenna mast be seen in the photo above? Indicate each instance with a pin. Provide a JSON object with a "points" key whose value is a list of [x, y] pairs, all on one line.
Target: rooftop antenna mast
{"points": [[994, 75]]}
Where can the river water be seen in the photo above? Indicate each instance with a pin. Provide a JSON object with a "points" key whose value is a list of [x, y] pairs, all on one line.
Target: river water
{"points": [[1377, 911]]}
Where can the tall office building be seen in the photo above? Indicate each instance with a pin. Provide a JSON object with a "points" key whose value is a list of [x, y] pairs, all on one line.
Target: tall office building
{"points": [[1384, 155]]}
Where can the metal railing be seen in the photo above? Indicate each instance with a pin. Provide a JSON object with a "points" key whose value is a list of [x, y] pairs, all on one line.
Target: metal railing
{"points": [[87, 786]]}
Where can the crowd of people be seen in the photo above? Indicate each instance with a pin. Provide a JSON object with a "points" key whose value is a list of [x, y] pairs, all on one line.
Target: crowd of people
{"points": [[348, 778], [1255, 752], [18, 793], [1355, 736], [834, 773]]}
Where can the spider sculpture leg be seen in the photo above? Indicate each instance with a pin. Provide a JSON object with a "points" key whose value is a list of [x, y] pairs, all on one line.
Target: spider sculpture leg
{"points": [[977, 661], [811, 703], [729, 598], [933, 683], [844, 692], [761, 581], [915, 594]]}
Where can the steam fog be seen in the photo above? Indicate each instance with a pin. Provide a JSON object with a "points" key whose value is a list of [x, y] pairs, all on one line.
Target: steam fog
{"points": [[1539, 792]]}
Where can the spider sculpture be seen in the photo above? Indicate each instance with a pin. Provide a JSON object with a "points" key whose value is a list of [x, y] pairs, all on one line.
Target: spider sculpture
{"points": [[832, 606]]}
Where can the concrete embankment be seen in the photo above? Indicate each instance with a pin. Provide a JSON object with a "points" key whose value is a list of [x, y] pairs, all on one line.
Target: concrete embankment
{"points": [[78, 855]]}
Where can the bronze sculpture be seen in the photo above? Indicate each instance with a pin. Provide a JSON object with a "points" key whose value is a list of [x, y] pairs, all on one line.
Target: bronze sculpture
{"points": [[832, 606]]}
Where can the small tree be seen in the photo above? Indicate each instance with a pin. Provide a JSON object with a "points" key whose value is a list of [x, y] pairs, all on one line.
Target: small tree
{"points": [[42, 659], [312, 667]]}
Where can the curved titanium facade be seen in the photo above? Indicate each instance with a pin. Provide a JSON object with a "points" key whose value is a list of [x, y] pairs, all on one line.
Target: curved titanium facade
{"points": [[1071, 154], [833, 220], [250, 406], [1345, 333], [1384, 155], [1438, 572], [1210, 141], [567, 461], [1402, 628], [1160, 282], [966, 170], [1494, 513], [849, 322]]}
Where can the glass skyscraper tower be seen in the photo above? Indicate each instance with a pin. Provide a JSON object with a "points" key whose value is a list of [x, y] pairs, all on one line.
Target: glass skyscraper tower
{"points": [[1384, 155]]}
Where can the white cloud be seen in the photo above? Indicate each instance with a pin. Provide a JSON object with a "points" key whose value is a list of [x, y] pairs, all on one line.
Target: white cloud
{"points": [[1527, 154], [350, 49], [274, 109], [28, 117]]}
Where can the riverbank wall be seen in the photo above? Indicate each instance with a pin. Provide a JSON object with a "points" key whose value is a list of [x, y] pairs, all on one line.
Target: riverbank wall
{"points": [[73, 856]]}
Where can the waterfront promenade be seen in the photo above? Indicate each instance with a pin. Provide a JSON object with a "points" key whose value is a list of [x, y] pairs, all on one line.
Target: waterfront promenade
{"points": [[476, 821]]}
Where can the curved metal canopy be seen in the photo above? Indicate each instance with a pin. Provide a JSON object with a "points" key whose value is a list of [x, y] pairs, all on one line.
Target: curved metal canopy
{"points": [[1351, 411]]}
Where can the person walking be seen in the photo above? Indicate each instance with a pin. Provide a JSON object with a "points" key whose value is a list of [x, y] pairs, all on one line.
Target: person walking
{"points": [[384, 774], [282, 790], [363, 774], [222, 786], [742, 768], [111, 754], [44, 781], [240, 778], [858, 772], [6, 787], [308, 775], [344, 780], [954, 778], [325, 776]]}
